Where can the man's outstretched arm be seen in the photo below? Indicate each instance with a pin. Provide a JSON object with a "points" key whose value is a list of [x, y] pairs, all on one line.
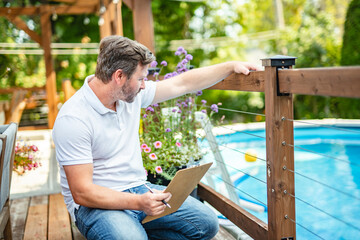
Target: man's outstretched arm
{"points": [[198, 79]]}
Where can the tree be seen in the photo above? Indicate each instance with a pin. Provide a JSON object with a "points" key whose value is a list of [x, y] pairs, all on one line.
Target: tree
{"points": [[350, 52]]}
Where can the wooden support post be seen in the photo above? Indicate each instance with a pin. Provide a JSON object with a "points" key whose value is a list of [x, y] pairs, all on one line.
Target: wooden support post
{"points": [[143, 23], [112, 19], [118, 25], [279, 156], [104, 21], [51, 95]]}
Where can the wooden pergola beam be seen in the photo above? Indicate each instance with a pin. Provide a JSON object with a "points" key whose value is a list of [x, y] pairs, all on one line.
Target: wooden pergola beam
{"points": [[19, 23], [129, 4], [50, 73], [58, 9], [143, 23]]}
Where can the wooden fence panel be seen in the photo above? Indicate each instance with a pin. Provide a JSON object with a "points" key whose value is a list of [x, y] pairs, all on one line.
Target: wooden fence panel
{"points": [[334, 81], [254, 82]]}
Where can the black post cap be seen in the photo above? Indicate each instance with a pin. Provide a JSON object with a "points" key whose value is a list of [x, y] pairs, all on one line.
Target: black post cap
{"points": [[278, 61]]}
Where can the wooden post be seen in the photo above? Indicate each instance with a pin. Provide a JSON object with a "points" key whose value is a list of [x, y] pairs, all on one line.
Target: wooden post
{"points": [[112, 19], [279, 156], [51, 96], [105, 27], [143, 23], [118, 25]]}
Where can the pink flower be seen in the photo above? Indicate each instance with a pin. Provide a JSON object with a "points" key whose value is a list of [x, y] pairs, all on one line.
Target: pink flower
{"points": [[143, 146], [178, 144], [153, 156], [34, 148], [145, 172], [147, 150], [158, 169], [157, 144]]}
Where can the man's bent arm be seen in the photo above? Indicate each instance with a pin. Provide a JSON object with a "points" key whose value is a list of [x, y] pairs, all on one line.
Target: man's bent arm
{"points": [[198, 79], [88, 194]]}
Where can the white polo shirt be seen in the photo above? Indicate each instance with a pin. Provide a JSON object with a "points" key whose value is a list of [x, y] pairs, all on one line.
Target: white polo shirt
{"points": [[85, 131]]}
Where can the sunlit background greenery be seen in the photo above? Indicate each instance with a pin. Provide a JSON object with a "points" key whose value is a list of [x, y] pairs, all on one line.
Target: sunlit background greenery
{"points": [[318, 32]]}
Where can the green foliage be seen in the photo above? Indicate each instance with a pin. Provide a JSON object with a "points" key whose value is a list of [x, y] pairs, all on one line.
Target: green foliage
{"points": [[350, 52], [312, 34]]}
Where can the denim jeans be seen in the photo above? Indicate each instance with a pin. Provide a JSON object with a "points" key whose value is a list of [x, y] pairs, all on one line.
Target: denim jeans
{"points": [[193, 220]]}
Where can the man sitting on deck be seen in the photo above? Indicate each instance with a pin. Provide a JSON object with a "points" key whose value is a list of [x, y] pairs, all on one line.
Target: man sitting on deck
{"points": [[98, 148]]}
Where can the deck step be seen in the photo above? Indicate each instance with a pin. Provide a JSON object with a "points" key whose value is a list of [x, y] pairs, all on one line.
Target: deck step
{"points": [[46, 217]]}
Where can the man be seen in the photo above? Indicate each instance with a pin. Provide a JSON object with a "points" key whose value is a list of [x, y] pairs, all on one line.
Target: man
{"points": [[98, 148]]}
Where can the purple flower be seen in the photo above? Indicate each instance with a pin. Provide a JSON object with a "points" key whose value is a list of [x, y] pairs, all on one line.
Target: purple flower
{"points": [[155, 105], [199, 93], [164, 63], [174, 110], [145, 79], [189, 57], [203, 111], [149, 109], [214, 108], [177, 53], [174, 74], [145, 116], [153, 64], [156, 74], [203, 102], [179, 111], [181, 49], [168, 130], [168, 75], [184, 62]]}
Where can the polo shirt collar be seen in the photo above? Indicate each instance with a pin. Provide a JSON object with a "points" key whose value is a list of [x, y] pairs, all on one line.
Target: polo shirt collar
{"points": [[93, 100]]}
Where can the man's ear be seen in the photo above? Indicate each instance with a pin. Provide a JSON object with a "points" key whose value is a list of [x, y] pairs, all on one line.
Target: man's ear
{"points": [[119, 77]]}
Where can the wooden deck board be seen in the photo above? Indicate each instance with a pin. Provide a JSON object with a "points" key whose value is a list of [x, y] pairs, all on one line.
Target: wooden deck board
{"points": [[59, 221], [18, 211], [37, 220], [46, 217]]}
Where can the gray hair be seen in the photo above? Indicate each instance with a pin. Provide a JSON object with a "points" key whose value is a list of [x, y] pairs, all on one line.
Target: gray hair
{"points": [[117, 52]]}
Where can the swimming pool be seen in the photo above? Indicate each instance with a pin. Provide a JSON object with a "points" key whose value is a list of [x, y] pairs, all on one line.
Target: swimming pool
{"points": [[327, 185]]}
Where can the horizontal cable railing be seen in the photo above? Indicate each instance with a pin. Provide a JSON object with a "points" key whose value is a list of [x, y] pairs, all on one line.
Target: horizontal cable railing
{"points": [[257, 81]]}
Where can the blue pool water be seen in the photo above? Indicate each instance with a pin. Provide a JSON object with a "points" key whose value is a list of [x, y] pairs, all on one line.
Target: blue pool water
{"points": [[329, 207]]}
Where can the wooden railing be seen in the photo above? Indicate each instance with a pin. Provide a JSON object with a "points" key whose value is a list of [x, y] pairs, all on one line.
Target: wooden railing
{"points": [[279, 81]]}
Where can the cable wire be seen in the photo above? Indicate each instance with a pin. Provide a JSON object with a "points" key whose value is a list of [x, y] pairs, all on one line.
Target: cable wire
{"points": [[238, 170], [237, 188], [232, 110], [243, 131], [322, 154], [236, 150], [324, 126], [305, 228], [337, 190], [346, 223]]}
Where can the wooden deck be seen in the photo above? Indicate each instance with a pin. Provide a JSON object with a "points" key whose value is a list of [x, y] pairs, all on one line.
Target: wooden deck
{"points": [[46, 217]]}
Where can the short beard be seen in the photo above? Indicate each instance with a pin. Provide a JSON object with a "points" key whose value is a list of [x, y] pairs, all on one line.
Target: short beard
{"points": [[127, 93]]}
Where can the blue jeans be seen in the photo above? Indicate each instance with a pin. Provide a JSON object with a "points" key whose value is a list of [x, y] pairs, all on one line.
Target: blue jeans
{"points": [[193, 220]]}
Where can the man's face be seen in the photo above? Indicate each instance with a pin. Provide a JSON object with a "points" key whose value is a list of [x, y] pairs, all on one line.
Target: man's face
{"points": [[135, 84]]}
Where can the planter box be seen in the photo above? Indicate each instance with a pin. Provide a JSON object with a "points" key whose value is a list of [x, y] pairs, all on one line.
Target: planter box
{"points": [[46, 178]]}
